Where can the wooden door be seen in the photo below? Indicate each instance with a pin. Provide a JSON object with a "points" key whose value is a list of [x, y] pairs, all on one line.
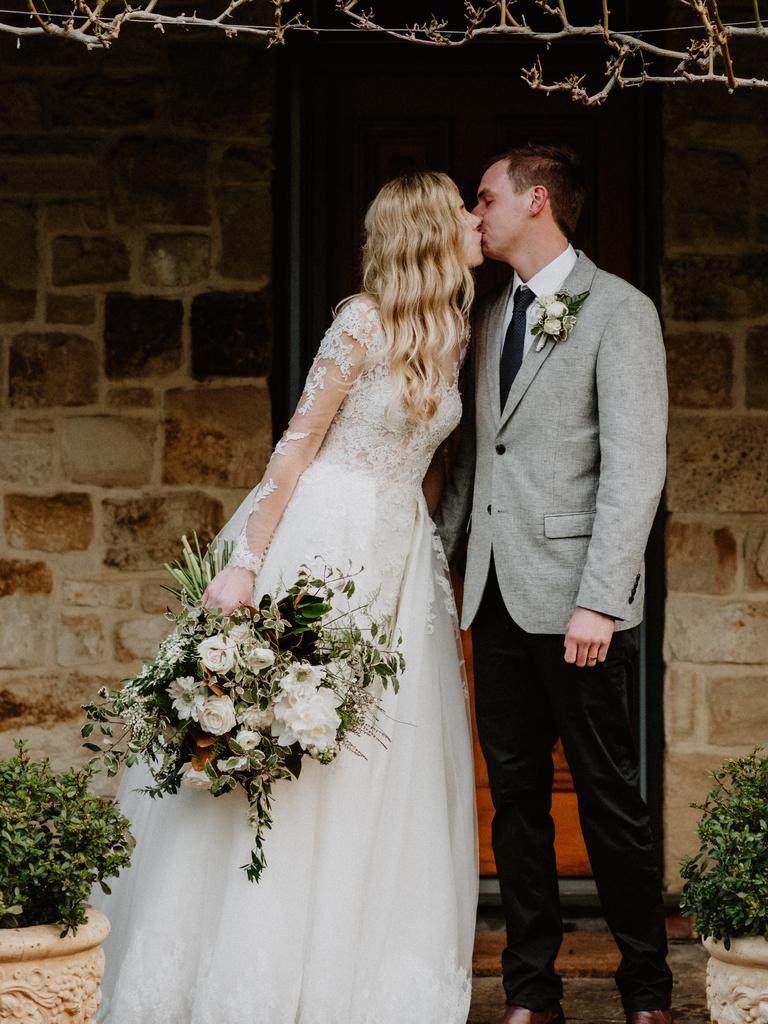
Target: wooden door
{"points": [[397, 110]]}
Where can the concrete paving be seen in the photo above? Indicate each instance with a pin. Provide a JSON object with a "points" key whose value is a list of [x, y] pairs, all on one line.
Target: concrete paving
{"points": [[596, 1001]]}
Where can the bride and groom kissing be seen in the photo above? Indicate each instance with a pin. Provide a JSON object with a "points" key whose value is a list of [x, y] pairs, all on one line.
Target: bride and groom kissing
{"points": [[366, 914]]}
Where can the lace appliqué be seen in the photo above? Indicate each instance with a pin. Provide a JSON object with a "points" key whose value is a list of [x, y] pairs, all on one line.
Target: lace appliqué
{"points": [[242, 556], [281, 448]]}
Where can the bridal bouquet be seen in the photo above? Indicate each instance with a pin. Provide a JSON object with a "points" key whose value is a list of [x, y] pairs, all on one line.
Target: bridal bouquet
{"points": [[239, 700]]}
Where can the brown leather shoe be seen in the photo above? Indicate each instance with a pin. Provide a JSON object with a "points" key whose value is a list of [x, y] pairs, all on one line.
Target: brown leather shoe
{"points": [[522, 1015], [650, 1017]]}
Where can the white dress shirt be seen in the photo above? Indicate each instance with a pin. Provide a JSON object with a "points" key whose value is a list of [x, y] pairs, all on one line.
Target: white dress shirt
{"points": [[547, 281]]}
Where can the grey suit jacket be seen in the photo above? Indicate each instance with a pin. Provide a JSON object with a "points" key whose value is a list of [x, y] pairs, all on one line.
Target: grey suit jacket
{"points": [[563, 483]]}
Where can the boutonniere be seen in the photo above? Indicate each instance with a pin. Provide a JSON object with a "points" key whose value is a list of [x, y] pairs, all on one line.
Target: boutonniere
{"points": [[556, 316]]}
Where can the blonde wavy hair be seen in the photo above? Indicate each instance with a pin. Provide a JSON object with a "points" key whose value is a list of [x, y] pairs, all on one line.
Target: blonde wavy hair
{"points": [[415, 267]]}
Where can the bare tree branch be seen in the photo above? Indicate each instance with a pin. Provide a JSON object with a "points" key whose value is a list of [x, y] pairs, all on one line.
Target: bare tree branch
{"points": [[705, 53]]}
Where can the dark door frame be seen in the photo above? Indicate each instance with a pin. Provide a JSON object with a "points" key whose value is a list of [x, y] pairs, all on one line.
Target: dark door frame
{"points": [[301, 217]]}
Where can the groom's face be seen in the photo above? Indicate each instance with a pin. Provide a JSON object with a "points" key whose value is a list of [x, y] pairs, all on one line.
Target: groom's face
{"points": [[505, 214]]}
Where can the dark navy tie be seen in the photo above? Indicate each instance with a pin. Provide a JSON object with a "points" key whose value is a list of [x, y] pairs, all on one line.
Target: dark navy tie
{"points": [[514, 342]]}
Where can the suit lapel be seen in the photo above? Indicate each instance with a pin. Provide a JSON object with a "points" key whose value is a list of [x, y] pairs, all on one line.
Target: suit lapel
{"points": [[491, 353], [579, 280]]}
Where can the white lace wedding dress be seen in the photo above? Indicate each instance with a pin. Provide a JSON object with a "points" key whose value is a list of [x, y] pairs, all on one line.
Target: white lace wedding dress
{"points": [[365, 913]]}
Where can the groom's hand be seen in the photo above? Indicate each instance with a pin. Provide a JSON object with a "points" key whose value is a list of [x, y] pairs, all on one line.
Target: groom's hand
{"points": [[587, 637]]}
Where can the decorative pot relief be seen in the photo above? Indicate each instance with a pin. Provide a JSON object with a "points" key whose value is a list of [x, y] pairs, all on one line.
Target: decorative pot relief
{"points": [[48, 980], [737, 981]]}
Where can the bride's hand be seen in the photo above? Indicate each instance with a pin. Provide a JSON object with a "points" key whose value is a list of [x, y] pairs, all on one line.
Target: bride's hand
{"points": [[229, 588]]}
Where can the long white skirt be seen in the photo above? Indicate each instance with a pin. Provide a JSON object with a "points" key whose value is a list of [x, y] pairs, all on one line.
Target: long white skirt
{"points": [[365, 913]]}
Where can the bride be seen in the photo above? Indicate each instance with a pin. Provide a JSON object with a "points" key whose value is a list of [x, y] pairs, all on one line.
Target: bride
{"points": [[365, 913]]}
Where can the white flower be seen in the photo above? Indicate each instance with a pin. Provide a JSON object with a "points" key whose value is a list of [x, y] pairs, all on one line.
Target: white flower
{"points": [[551, 326], [217, 653], [196, 778], [311, 721], [256, 658], [217, 716], [188, 696], [555, 309], [240, 633], [247, 739], [256, 719], [301, 680]]}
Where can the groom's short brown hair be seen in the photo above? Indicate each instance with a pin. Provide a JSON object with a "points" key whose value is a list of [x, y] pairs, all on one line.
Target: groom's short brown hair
{"points": [[556, 167]]}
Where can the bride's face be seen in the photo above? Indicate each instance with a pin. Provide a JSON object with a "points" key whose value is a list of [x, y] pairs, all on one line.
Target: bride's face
{"points": [[472, 239]]}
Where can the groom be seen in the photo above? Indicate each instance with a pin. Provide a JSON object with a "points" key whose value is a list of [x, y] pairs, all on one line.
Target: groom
{"points": [[557, 480]]}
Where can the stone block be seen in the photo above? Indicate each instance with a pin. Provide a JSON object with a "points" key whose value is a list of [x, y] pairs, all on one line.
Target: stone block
{"points": [[142, 335], [26, 460], [18, 262], [231, 334], [700, 558], [738, 709], [96, 594], [245, 217], [756, 557], [683, 703], [708, 630], [144, 533], [717, 464], [42, 172], [694, 179], [153, 599], [685, 780], [111, 451], [722, 288], [200, 97], [98, 102], [59, 522], [130, 398], [159, 181], [246, 165], [79, 640], [25, 629], [205, 439], [47, 699], [72, 216], [757, 368], [22, 577], [97, 259], [173, 261], [70, 309], [700, 370], [52, 369], [138, 639]]}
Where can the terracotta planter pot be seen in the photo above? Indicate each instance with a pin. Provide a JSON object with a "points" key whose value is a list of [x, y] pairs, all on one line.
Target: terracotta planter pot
{"points": [[737, 981], [48, 980]]}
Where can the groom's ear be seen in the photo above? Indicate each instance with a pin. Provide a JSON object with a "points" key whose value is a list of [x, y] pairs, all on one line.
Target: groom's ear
{"points": [[539, 197]]}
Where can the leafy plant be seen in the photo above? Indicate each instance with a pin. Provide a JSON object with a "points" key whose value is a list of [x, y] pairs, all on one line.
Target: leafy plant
{"points": [[196, 571], [56, 840], [727, 881]]}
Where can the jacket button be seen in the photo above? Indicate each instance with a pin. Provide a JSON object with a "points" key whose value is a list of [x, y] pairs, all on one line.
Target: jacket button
{"points": [[489, 510], [500, 449]]}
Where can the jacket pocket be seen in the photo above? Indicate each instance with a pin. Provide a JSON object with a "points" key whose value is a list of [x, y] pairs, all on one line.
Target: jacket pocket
{"points": [[569, 524]]}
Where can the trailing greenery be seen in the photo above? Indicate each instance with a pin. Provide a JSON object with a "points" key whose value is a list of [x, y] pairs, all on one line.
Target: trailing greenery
{"points": [[56, 840], [727, 881]]}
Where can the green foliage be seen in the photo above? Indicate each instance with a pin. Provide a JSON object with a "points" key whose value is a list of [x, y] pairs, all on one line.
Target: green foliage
{"points": [[56, 841], [727, 881], [195, 570]]}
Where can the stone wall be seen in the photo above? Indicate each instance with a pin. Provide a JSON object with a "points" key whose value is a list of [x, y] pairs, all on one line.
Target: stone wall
{"points": [[715, 307], [135, 341]]}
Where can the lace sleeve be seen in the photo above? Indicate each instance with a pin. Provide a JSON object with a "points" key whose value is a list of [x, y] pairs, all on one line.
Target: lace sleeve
{"points": [[339, 362]]}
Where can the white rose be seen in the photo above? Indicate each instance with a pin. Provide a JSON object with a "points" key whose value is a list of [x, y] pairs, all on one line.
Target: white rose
{"points": [[240, 633], [217, 716], [256, 658], [301, 680], [551, 326], [310, 721], [217, 653], [248, 739], [188, 696], [256, 719], [196, 778], [556, 309]]}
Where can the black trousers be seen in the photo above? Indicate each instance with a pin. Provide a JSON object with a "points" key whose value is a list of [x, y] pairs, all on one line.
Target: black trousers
{"points": [[526, 697]]}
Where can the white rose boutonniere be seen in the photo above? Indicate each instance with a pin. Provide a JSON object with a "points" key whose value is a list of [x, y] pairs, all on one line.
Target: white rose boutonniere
{"points": [[556, 316]]}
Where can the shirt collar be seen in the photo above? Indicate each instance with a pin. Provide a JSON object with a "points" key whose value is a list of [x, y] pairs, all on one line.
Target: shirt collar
{"points": [[547, 280]]}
